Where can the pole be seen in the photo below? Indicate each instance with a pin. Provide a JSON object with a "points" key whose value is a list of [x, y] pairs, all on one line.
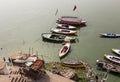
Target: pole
{"points": [[32, 51], [29, 50]]}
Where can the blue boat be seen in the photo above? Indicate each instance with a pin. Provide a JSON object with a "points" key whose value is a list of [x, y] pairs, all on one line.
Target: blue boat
{"points": [[110, 35]]}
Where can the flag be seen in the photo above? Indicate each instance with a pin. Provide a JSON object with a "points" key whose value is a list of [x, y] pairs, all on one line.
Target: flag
{"points": [[56, 12], [75, 7]]}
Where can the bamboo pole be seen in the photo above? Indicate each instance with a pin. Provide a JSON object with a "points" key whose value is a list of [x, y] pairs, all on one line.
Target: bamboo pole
{"points": [[32, 51], [29, 50]]}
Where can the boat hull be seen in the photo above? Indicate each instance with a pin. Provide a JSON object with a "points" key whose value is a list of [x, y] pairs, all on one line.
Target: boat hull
{"points": [[73, 64], [117, 51], [112, 58], [110, 35], [64, 50], [65, 26], [105, 66], [17, 61], [63, 31], [56, 37], [71, 20]]}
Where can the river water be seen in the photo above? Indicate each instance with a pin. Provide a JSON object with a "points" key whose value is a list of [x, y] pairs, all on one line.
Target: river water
{"points": [[23, 21]]}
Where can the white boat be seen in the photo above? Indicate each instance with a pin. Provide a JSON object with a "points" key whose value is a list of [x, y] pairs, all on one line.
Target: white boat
{"points": [[64, 50], [117, 51], [63, 31], [110, 35], [65, 26], [18, 61], [112, 58]]}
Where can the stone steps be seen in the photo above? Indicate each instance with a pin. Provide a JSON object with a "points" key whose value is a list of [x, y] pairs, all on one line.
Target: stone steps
{"points": [[14, 72], [18, 79]]}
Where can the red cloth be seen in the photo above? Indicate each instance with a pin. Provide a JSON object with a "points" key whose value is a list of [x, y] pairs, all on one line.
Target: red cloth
{"points": [[75, 7]]}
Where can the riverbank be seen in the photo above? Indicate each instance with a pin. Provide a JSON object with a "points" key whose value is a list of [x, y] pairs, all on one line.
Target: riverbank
{"points": [[40, 71], [13, 76], [48, 73], [78, 75]]}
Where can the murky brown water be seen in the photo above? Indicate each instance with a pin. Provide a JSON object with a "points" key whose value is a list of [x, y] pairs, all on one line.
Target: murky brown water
{"points": [[23, 21]]}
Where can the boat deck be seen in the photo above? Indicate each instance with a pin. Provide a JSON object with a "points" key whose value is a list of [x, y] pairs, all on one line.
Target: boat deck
{"points": [[71, 19]]}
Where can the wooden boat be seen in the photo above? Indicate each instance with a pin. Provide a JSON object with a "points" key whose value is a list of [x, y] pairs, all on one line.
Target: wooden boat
{"points": [[73, 64], [18, 61], [64, 50], [112, 58], [37, 64], [117, 51], [56, 37], [65, 26], [71, 20], [63, 31], [29, 59], [110, 35], [105, 66]]}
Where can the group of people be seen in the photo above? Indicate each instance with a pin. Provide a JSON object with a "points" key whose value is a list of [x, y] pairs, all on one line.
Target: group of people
{"points": [[8, 61]]}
